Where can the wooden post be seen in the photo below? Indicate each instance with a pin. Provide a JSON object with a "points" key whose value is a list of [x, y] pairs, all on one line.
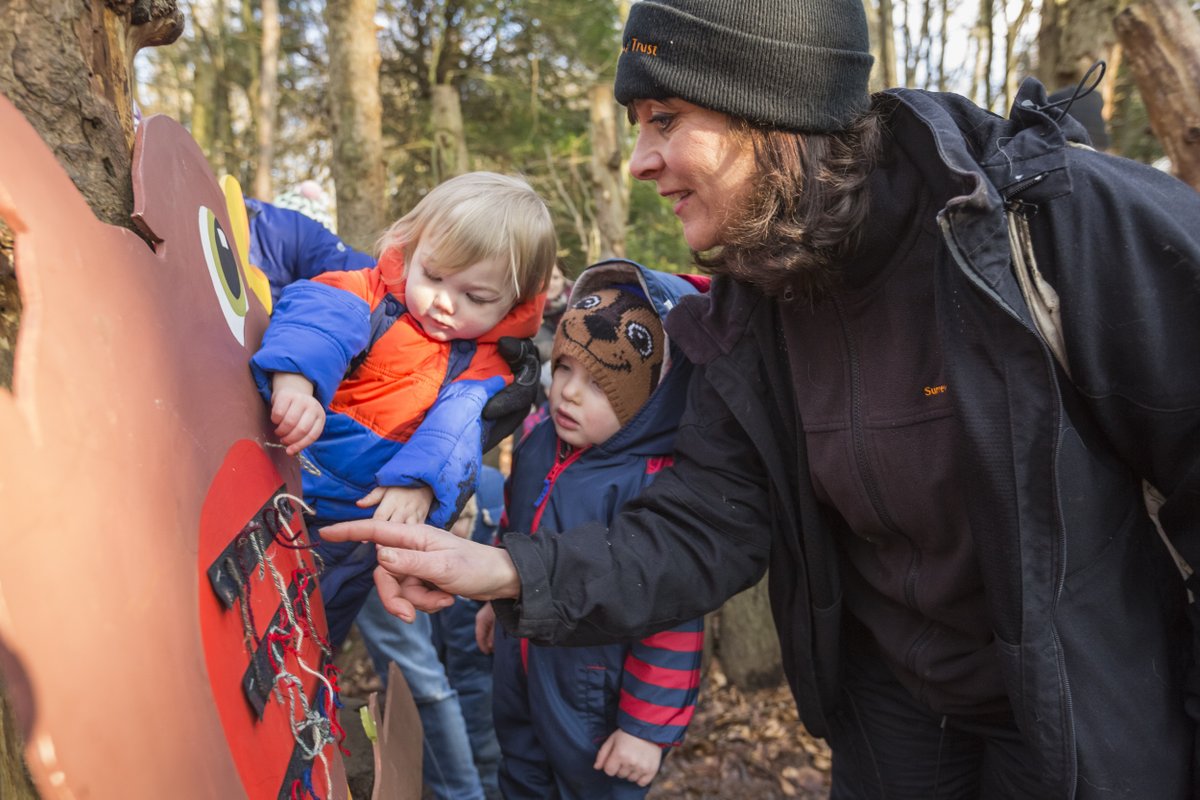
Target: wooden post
{"points": [[1161, 39]]}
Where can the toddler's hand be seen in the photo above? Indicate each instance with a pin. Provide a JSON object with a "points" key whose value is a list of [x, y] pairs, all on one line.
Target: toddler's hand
{"points": [[298, 416], [624, 755], [485, 628], [407, 504]]}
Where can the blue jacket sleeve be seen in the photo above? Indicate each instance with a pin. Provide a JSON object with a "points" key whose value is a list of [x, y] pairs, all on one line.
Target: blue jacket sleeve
{"points": [[316, 330], [289, 246], [446, 451]]}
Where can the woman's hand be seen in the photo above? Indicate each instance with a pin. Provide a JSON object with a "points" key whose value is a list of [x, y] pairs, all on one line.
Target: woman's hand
{"points": [[422, 567], [624, 755]]}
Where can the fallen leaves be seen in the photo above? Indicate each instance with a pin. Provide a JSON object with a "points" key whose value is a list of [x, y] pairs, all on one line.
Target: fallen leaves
{"points": [[744, 746]]}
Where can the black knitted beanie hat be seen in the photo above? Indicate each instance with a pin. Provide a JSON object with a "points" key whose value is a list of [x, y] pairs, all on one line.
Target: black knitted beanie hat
{"points": [[798, 65]]}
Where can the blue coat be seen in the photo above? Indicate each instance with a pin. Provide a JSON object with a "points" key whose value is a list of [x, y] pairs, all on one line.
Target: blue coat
{"points": [[287, 246], [556, 706]]}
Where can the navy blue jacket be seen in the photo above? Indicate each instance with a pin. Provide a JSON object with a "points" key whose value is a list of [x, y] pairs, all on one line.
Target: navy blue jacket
{"points": [[657, 677]]}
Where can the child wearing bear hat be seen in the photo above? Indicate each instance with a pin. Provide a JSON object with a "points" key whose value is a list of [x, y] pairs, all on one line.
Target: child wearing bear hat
{"points": [[615, 401]]}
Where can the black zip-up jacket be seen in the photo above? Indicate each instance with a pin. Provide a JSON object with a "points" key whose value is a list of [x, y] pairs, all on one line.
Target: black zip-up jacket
{"points": [[1086, 605]]}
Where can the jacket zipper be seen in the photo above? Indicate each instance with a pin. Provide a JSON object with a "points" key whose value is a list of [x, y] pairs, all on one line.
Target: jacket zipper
{"points": [[1048, 361], [868, 477], [543, 498]]}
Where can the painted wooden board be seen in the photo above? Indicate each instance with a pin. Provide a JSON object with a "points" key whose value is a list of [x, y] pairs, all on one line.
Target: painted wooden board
{"points": [[398, 741], [135, 461]]}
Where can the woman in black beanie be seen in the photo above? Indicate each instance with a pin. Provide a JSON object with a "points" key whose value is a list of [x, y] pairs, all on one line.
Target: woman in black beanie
{"points": [[943, 355]]}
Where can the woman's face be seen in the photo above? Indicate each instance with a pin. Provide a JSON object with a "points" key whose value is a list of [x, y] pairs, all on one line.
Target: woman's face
{"points": [[696, 160]]}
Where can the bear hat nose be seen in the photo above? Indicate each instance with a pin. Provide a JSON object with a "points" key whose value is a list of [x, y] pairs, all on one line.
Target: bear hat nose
{"points": [[600, 328]]}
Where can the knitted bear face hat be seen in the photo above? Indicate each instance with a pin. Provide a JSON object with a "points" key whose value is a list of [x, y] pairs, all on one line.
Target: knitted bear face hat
{"points": [[617, 336]]}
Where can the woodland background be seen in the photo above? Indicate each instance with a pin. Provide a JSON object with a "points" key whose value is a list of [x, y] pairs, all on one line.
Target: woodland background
{"points": [[379, 100]]}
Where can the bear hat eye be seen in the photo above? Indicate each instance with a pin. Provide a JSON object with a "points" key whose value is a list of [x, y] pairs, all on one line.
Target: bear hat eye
{"points": [[639, 336], [591, 301]]}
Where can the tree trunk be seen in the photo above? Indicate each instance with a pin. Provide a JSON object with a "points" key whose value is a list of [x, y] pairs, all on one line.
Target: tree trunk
{"points": [[876, 83], [66, 67], [202, 112], [942, 39], [357, 121], [1012, 30], [981, 81], [608, 173], [450, 156], [748, 645], [886, 45], [268, 99], [1161, 40], [211, 121], [1074, 34]]}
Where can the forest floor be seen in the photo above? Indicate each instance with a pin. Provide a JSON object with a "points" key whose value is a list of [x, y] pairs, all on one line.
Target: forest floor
{"points": [[741, 745], [744, 746]]}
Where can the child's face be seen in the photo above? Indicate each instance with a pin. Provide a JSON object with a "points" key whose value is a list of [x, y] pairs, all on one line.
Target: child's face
{"points": [[460, 305], [579, 408]]}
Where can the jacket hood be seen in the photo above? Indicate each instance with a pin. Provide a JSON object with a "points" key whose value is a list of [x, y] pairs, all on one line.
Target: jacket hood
{"points": [[653, 427]]}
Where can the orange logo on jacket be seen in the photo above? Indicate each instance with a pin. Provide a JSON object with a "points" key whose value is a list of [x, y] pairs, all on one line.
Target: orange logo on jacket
{"points": [[930, 391]]}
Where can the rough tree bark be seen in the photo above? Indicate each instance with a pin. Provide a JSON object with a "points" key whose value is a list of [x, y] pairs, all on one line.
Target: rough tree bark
{"points": [[1074, 34], [357, 120], [1011, 31], [876, 83], [981, 33], [66, 67], [268, 99], [1161, 40], [748, 645], [450, 155], [883, 45], [609, 192]]}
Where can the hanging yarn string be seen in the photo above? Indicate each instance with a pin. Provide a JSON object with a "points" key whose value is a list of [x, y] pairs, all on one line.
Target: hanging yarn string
{"points": [[282, 517], [249, 629], [302, 608], [276, 656], [311, 722], [306, 463], [300, 789]]}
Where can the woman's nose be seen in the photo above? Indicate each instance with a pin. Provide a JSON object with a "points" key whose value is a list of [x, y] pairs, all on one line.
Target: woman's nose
{"points": [[645, 162]]}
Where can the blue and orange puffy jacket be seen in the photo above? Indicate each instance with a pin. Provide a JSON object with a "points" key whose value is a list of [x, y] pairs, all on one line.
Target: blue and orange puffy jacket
{"points": [[408, 412]]}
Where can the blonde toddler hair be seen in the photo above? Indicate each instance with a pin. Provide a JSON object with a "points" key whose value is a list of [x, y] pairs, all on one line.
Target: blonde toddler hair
{"points": [[479, 216]]}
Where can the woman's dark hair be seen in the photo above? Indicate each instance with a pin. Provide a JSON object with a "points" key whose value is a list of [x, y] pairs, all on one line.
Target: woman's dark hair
{"points": [[806, 212]]}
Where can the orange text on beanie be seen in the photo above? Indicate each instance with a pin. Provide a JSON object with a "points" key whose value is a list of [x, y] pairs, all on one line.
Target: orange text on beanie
{"points": [[618, 338]]}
